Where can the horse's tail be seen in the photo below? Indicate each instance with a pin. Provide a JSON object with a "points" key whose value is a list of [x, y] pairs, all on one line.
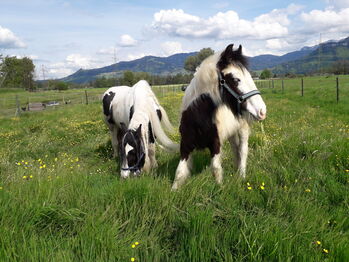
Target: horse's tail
{"points": [[165, 121], [160, 135]]}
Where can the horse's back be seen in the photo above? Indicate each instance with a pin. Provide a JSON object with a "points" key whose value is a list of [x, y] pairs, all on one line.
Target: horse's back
{"points": [[117, 103]]}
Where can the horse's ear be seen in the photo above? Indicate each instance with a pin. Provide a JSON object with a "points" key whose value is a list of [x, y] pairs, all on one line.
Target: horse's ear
{"points": [[226, 57], [228, 52], [239, 51]]}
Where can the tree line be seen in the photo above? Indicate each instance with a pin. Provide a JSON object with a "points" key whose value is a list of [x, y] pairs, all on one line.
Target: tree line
{"points": [[19, 73]]}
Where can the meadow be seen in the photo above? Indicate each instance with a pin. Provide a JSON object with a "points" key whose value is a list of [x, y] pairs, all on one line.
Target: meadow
{"points": [[61, 197]]}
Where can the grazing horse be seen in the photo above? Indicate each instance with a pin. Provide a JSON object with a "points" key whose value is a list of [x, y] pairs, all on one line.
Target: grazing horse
{"points": [[220, 103], [134, 117]]}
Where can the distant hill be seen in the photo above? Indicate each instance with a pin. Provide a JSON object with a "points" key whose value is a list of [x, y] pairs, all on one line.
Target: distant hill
{"points": [[318, 59], [305, 60], [269, 61], [151, 64]]}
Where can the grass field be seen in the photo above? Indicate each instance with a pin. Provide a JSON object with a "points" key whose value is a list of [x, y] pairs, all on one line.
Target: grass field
{"points": [[61, 198]]}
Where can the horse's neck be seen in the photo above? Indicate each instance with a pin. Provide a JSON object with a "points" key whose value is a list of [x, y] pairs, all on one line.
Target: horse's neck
{"points": [[139, 118]]}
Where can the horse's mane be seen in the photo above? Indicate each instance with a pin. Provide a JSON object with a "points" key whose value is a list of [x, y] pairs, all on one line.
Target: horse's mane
{"points": [[206, 76]]}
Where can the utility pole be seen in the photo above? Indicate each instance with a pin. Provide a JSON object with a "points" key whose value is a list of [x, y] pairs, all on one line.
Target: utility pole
{"points": [[115, 60], [320, 53], [43, 70]]}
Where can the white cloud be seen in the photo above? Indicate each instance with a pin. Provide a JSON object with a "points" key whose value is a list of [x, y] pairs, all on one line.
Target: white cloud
{"points": [[338, 4], [277, 44], [171, 47], [8, 40], [127, 41], [328, 20], [110, 51], [225, 25]]}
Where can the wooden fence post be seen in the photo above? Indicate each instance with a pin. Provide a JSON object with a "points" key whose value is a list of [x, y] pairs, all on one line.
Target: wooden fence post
{"points": [[272, 81], [86, 97], [337, 88], [18, 110], [302, 88], [282, 85]]}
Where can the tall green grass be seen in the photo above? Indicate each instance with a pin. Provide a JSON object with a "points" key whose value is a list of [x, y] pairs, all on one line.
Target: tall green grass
{"points": [[61, 198]]}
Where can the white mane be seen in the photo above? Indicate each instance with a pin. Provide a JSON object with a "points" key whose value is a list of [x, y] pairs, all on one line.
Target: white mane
{"points": [[205, 81]]}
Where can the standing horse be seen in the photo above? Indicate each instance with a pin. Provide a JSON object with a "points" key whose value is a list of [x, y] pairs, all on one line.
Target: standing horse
{"points": [[134, 117], [219, 104]]}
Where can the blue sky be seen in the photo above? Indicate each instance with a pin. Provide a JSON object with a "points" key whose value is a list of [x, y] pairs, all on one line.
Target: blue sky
{"points": [[62, 36]]}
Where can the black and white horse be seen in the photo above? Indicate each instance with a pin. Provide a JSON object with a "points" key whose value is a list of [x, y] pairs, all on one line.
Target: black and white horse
{"points": [[134, 117], [219, 104]]}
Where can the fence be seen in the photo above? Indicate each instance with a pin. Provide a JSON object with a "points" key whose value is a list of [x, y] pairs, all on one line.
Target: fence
{"points": [[45, 100], [329, 88], [13, 105], [332, 88]]}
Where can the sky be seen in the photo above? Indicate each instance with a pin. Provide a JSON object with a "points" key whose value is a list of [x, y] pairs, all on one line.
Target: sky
{"points": [[62, 36]]}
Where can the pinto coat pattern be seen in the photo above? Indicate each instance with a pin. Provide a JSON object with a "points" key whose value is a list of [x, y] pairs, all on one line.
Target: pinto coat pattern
{"points": [[135, 119], [220, 104]]}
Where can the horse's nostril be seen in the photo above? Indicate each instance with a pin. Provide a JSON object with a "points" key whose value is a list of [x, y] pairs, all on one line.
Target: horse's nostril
{"points": [[262, 114]]}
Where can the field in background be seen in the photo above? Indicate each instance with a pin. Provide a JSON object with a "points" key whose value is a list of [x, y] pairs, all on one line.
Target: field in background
{"points": [[61, 198]]}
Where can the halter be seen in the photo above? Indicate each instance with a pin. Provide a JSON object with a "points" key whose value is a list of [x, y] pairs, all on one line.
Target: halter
{"points": [[240, 98], [140, 156]]}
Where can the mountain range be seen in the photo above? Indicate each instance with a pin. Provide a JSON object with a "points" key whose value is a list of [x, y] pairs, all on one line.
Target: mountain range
{"points": [[305, 60]]}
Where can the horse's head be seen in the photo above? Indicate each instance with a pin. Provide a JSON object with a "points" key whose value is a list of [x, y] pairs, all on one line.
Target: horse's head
{"points": [[236, 85], [132, 152]]}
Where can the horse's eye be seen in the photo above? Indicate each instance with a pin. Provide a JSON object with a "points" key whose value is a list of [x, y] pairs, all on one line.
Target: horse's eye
{"points": [[237, 80]]}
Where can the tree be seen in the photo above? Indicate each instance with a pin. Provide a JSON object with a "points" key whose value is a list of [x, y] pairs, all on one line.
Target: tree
{"points": [[266, 74], [340, 67], [128, 78], [192, 62], [19, 72]]}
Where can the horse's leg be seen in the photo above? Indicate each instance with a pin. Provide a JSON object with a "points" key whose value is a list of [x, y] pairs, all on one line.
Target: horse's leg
{"points": [[235, 144], [151, 153], [114, 139], [239, 144], [182, 172], [216, 165]]}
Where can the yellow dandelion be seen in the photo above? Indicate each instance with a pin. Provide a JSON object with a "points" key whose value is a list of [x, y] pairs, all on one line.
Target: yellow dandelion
{"points": [[56, 159], [24, 177], [263, 184], [31, 176], [307, 190], [133, 259], [26, 163], [136, 243], [0, 187], [44, 166], [249, 188], [77, 159], [19, 163], [248, 184], [133, 246], [40, 167], [318, 242], [262, 187], [325, 250]]}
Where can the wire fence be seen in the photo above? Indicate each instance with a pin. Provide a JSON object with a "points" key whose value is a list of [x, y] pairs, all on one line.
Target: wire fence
{"points": [[24, 102], [330, 88]]}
